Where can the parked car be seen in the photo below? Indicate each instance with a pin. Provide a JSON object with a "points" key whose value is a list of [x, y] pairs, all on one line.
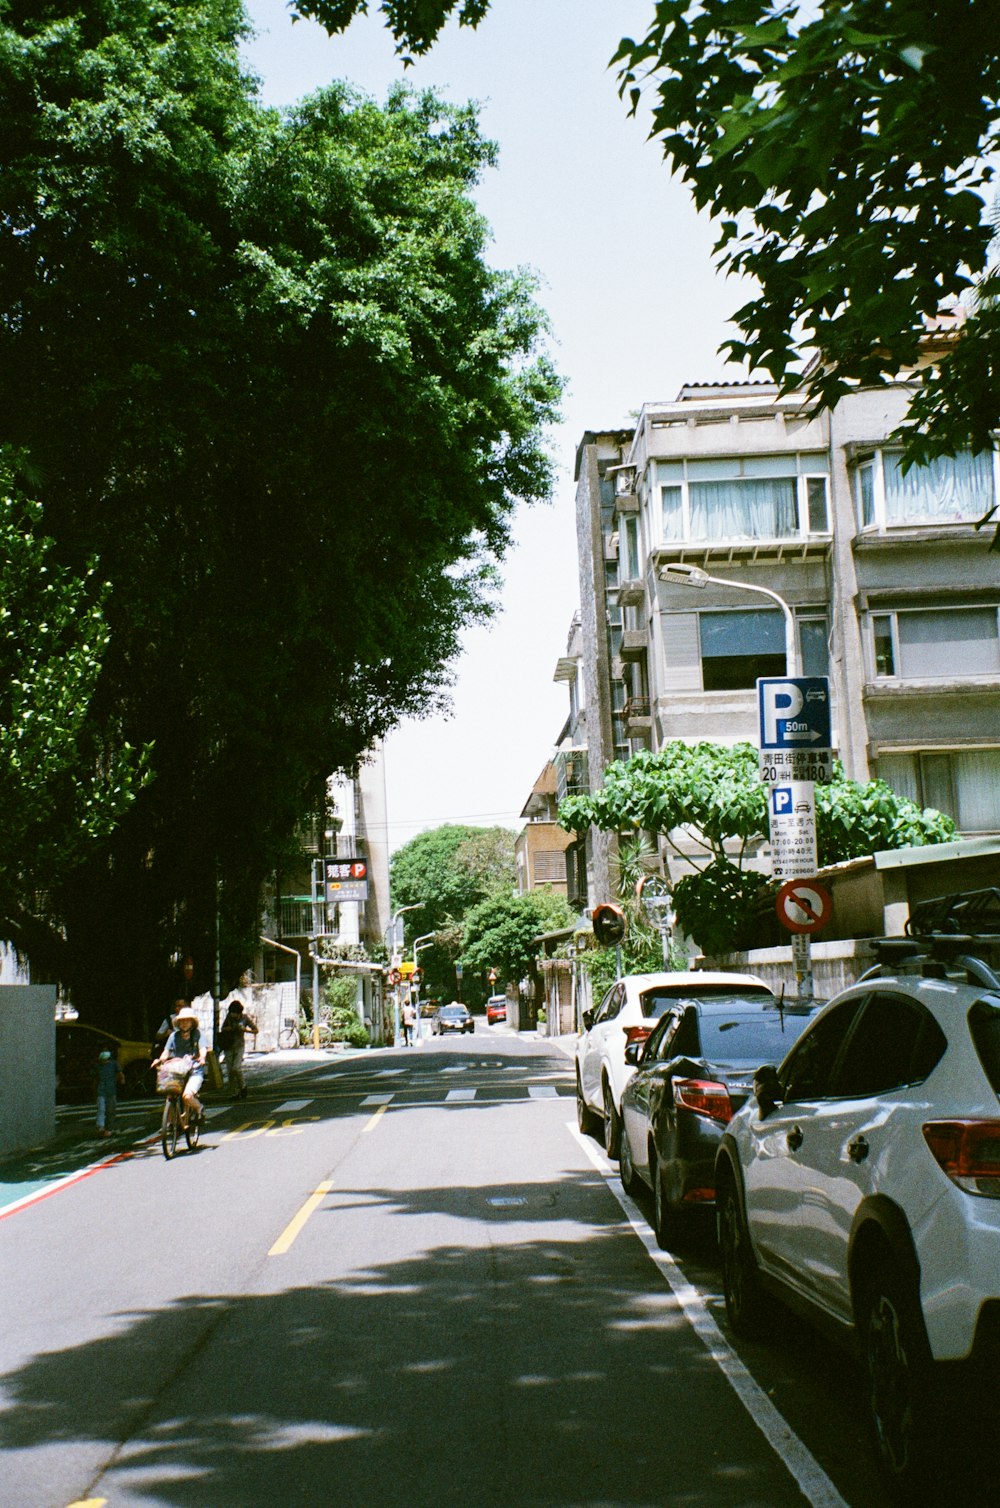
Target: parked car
{"points": [[861, 1183], [628, 1013], [453, 1018], [693, 1071], [77, 1049], [496, 1009]]}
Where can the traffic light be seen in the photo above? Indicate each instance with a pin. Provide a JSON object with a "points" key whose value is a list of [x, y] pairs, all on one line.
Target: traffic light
{"points": [[609, 924]]}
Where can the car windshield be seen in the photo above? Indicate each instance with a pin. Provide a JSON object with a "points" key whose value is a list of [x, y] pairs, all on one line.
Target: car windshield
{"points": [[656, 1001], [452, 1010], [751, 1036]]}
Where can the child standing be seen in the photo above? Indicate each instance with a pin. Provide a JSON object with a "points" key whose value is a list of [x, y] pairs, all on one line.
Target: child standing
{"points": [[109, 1076]]}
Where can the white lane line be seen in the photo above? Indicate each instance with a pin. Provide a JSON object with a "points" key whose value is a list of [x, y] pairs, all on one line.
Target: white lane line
{"points": [[377, 1099], [291, 1105], [460, 1094], [813, 1482], [542, 1092]]}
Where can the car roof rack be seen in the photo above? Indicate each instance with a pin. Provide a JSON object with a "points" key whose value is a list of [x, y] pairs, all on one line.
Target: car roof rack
{"points": [[945, 935]]}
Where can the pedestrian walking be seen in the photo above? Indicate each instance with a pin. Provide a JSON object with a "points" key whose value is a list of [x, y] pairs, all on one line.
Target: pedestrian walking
{"points": [[409, 1021], [232, 1041], [109, 1076]]}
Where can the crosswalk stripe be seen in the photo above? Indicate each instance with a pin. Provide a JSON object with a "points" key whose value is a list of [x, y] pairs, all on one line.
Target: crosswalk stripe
{"points": [[376, 1099], [543, 1092], [460, 1094]]}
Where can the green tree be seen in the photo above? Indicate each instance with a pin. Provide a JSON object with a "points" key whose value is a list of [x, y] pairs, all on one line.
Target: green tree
{"points": [[60, 793], [249, 353], [844, 147], [714, 793], [449, 869], [500, 934]]}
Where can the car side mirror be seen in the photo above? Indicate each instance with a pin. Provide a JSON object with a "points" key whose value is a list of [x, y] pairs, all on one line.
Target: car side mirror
{"points": [[588, 1020], [633, 1052], [767, 1089]]}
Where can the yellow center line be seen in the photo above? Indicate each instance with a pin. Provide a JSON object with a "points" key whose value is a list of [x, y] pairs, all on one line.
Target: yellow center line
{"points": [[372, 1122], [293, 1227]]}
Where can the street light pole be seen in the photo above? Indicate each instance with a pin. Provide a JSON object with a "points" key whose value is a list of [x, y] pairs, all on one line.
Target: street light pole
{"points": [[425, 941], [692, 575]]}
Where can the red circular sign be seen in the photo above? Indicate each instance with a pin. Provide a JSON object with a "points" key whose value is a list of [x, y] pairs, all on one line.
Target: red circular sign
{"points": [[803, 905]]}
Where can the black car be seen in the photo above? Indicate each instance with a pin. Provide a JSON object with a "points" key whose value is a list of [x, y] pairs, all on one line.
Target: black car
{"points": [[453, 1018], [693, 1072]]}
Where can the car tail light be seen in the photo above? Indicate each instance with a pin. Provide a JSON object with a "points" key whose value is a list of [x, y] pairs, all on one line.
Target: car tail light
{"points": [[636, 1033], [969, 1152], [705, 1097]]}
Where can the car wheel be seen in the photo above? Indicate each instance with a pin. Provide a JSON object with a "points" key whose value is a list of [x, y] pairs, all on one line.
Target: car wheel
{"points": [[585, 1117], [631, 1182], [746, 1302], [612, 1124], [897, 1363]]}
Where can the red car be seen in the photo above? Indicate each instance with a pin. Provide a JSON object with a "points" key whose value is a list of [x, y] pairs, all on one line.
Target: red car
{"points": [[496, 1009]]}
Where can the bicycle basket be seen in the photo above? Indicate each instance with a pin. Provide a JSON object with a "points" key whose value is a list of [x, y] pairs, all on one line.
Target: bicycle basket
{"points": [[171, 1076]]}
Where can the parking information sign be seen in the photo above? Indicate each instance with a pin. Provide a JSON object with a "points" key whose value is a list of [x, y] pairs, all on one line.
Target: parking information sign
{"points": [[793, 829], [795, 734]]}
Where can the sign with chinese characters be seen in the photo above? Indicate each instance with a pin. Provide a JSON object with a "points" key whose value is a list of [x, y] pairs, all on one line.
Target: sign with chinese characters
{"points": [[345, 880], [795, 729], [793, 829]]}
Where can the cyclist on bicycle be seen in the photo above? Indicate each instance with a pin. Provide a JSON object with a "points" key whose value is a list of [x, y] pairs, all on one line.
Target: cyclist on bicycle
{"points": [[185, 1042]]}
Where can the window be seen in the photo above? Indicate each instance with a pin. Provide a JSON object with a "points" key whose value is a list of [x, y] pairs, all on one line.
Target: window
{"points": [[963, 783], [806, 1074], [738, 646], [895, 1042], [630, 556], [925, 643], [950, 489], [744, 497]]}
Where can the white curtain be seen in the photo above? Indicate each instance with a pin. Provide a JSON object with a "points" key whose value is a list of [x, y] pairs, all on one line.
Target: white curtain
{"points": [[949, 488], [744, 508]]}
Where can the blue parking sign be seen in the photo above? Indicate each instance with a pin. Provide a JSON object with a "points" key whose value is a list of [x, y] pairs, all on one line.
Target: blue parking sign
{"points": [[781, 799], [794, 712]]}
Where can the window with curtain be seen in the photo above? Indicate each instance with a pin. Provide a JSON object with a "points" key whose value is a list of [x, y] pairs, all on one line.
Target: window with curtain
{"points": [[964, 783], [744, 508], [948, 489], [948, 642]]}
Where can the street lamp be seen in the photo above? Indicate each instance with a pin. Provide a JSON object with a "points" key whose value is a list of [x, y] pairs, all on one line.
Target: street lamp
{"points": [[692, 575], [426, 939]]}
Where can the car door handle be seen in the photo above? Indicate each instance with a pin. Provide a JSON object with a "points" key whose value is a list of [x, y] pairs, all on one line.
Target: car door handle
{"points": [[794, 1138], [858, 1149]]}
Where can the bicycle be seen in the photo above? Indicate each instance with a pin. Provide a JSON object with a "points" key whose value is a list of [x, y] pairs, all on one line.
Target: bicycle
{"points": [[170, 1083], [289, 1033]]}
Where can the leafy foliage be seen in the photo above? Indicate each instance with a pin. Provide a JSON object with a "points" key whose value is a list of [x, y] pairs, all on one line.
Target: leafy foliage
{"points": [[714, 794], [843, 147], [340, 1011], [447, 870], [60, 794], [499, 933], [246, 353]]}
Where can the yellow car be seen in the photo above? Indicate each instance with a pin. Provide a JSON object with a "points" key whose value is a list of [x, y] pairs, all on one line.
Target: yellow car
{"points": [[77, 1048]]}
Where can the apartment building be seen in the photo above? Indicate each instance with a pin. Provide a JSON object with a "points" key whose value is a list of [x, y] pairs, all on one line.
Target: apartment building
{"points": [[892, 591]]}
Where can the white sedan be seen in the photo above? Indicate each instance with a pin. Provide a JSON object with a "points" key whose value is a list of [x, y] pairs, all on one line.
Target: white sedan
{"points": [[628, 1013]]}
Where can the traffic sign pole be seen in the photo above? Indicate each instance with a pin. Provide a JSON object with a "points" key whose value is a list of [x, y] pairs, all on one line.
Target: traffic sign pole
{"points": [[795, 754]]}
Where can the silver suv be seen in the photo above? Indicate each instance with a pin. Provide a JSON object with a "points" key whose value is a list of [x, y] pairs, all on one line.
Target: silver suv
{"points": [[861, 1181]]}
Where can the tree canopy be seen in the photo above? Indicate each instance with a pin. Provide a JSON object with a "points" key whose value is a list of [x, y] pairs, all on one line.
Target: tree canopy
{"points": [[844, 147], [500, 932], [714, 794], [256, 360]]}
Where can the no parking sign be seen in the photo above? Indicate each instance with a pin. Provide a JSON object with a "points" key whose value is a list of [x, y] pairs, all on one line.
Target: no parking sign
{"points": [[803, 905]]}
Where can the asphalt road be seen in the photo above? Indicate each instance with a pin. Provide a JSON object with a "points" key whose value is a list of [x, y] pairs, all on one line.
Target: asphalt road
{"points": [[403, 1278]]}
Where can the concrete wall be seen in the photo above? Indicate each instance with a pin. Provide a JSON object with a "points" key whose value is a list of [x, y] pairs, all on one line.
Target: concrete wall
{"points": [[27, 1066]]}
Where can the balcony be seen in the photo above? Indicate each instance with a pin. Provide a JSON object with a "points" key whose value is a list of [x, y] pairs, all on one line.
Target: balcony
{"points": [[634, 644], [636, 716], [626, 502], [571, 773], [631, 594]]}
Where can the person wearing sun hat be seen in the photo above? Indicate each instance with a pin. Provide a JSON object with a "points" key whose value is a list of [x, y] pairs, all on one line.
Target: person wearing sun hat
{"points": [[185, 1042]]}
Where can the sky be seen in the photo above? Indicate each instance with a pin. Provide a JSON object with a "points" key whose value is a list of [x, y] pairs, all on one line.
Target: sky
{"points": [[636, 307]]}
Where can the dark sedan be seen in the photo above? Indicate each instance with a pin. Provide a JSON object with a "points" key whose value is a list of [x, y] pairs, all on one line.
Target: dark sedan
{"points": [[692, 1073], [453, 1018]]}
